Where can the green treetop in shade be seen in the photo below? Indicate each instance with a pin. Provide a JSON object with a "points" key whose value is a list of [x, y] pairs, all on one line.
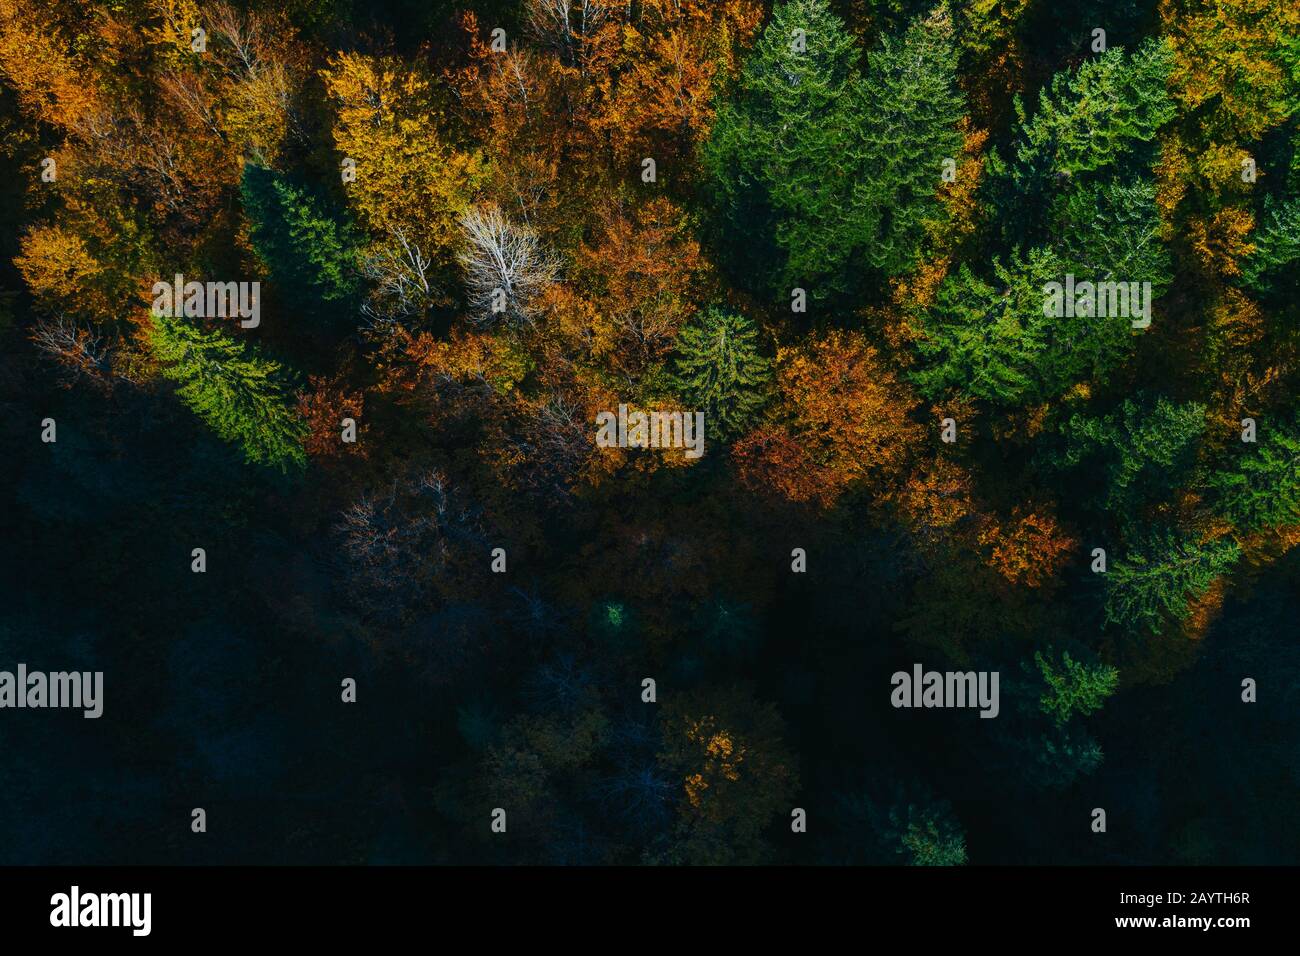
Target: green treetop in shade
{"points": [[720, 371], [1263, 490], [826, 171], [1155, 582]]}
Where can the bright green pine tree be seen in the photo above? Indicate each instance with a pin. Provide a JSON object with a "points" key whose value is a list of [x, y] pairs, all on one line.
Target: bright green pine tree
{"points": [[309, 253], [1074, 687], [233, 390], [1153, 584], [1264, 489], [832, 171], [993, 341], [1086, 120], [1110, 231], [1039, 741], [1108, 111], [720, 371]]}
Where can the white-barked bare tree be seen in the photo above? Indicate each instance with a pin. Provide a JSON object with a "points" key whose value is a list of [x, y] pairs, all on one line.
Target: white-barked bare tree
{"points": [[506, 267]]}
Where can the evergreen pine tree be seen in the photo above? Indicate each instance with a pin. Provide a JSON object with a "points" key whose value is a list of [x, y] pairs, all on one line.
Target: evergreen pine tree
{"points": [[1140, 451], [1109, 231], [833, 172], [1089, 119], [909, 108], [1153, 584], [1273, 268], [720, 371], [993, 341], [310, 253], [1057, 758], [1074, 687], [233, 390], [774, 148], [1264, 489], [921, 829], [1039, 740], [1107, 112]]}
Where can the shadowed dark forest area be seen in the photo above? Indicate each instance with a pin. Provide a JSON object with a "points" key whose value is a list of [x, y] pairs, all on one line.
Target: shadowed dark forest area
{"points": [[316, 319]]}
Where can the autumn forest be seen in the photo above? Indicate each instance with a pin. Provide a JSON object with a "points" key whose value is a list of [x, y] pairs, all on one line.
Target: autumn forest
{"points": [[541, 431]]}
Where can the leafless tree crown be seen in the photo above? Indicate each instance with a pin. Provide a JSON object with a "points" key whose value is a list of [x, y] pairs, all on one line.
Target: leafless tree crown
{"points": [[503, 263]]}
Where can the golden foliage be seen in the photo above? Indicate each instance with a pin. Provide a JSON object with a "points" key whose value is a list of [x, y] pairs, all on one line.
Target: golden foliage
{"points": [[1230, 57], [842, 417], [1030, 549], [57, 265], [1220, 241], [936, 499], [386, 118], [644, 271], [51, 84], [960, 218], [1172, 171]]}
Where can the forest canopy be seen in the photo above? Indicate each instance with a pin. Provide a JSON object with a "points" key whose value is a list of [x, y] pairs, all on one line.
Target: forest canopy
{"points": [[413, 251]]}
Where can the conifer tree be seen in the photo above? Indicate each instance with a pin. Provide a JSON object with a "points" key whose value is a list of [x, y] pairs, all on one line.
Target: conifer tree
{"points": [[235, 391], [996, 342], [1274, 265], [1088, 119], [918, 827], [830, 170], [932, 838], [1108, 111], [909, 108], [1074, 687], [1110, 231], [992, 341], [720, 371], [1091, 117], [1142, 449], [1152, 585], [1054, 759], [774, 145], [310, 253], [1264, 490], [1039, 738]]}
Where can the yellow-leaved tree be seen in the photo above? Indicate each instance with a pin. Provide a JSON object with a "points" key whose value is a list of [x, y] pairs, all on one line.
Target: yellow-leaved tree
{"points": [[51, 83], [405, 182]]}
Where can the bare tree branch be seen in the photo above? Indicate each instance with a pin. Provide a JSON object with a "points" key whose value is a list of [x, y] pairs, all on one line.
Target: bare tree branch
{"points": [[80, 353], [506, 266], [400, 272], [565, 25]]}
